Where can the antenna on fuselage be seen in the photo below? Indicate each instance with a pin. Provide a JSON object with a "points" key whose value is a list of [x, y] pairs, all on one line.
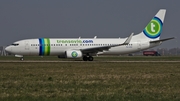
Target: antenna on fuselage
{"points": [[95, 37]]}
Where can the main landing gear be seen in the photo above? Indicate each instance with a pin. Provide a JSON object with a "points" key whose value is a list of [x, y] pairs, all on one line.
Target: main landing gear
{"points": [[88, 58]]}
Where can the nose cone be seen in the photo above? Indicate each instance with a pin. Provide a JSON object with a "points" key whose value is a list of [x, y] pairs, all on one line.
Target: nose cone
{"points": [[8, 49]]}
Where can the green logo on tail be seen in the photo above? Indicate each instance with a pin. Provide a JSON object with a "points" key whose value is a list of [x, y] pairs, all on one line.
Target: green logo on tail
{"points": [[154, 28]]}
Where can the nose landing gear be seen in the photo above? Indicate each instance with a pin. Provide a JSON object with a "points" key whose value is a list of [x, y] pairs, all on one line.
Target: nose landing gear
{"points": [[21, 58]]}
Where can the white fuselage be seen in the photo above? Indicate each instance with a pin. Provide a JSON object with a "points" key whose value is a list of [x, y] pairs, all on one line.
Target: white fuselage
{"points": [[57, 46]]}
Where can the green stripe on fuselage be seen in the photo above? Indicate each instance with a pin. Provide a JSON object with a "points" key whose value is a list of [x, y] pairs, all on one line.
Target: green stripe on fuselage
{"points": [[48, 40], [47, 46]]}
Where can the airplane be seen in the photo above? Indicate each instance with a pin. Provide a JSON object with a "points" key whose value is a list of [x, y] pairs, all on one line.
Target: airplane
{"points": [[86, 48]]}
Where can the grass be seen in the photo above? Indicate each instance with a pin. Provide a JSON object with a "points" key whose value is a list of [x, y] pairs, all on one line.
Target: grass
{"points": [[100, 58], [90, 81]]}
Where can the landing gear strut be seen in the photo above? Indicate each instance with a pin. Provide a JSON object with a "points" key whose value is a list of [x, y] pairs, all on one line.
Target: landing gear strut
{"points": [[21, 58], [88, 58]]}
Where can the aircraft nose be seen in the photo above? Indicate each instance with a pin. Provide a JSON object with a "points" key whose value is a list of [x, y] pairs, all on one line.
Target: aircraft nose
{"points": [[8, 49]]}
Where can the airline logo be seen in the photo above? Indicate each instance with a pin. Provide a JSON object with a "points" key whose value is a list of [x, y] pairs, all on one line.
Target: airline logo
{"points": [[154, 28], [74, 54], [44, 46], [74, 41]]}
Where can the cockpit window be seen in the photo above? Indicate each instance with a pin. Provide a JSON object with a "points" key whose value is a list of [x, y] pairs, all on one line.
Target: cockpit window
{"points": [[15, 44]]}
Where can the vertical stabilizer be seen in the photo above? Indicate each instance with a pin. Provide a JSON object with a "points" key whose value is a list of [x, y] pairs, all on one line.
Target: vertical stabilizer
{"points": [[154, 28]]}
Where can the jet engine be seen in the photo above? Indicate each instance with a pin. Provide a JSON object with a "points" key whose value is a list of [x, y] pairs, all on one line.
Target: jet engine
{"points": [[73, 54]]}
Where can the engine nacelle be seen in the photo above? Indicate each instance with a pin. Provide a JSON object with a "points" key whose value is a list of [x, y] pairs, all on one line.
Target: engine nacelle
{"points": [[73, 54]]}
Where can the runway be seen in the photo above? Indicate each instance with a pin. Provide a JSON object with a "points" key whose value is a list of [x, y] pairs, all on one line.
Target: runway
{"points": [[32, 61]]}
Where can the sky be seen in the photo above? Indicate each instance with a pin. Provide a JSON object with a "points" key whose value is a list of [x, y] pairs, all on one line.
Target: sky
{"points": [[26, 19]]}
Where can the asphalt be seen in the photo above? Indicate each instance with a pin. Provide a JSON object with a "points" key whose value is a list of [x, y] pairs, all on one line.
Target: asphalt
{"points": [[32, 61]]}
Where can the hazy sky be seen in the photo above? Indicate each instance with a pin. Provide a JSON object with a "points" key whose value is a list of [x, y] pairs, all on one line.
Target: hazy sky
{"points": [[24, 19]]}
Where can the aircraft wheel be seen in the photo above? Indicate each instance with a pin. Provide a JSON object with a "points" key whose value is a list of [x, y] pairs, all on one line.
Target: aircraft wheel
{"points": [[85, 58], [90, 58], [21, 59]]}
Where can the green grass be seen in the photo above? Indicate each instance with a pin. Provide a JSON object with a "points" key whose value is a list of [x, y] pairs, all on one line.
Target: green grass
{"points": [[90, 81], [100, 58]]}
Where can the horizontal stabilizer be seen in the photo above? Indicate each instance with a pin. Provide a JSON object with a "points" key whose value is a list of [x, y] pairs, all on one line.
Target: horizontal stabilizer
{"points": [[161, 40]]}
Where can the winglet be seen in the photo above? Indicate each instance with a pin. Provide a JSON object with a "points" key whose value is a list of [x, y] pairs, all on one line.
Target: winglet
{"points": [[128, 40]]}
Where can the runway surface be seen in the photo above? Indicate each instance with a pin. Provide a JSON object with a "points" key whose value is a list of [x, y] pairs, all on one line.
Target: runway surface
{"points": [[32, 61]]}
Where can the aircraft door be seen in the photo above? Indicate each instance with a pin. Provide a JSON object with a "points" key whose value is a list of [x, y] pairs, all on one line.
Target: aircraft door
{"points": [[26, 45], [26, 50], [139, 44]]}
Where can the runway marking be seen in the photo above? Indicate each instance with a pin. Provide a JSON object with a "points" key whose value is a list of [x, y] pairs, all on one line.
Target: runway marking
{"points": [[32, 61]]}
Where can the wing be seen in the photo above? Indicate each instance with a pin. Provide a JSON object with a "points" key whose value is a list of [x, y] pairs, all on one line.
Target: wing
{"points": [[102, 48]]}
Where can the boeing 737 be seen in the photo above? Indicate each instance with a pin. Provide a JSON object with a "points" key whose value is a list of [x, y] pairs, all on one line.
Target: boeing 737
{"points": [[86, 48]]}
